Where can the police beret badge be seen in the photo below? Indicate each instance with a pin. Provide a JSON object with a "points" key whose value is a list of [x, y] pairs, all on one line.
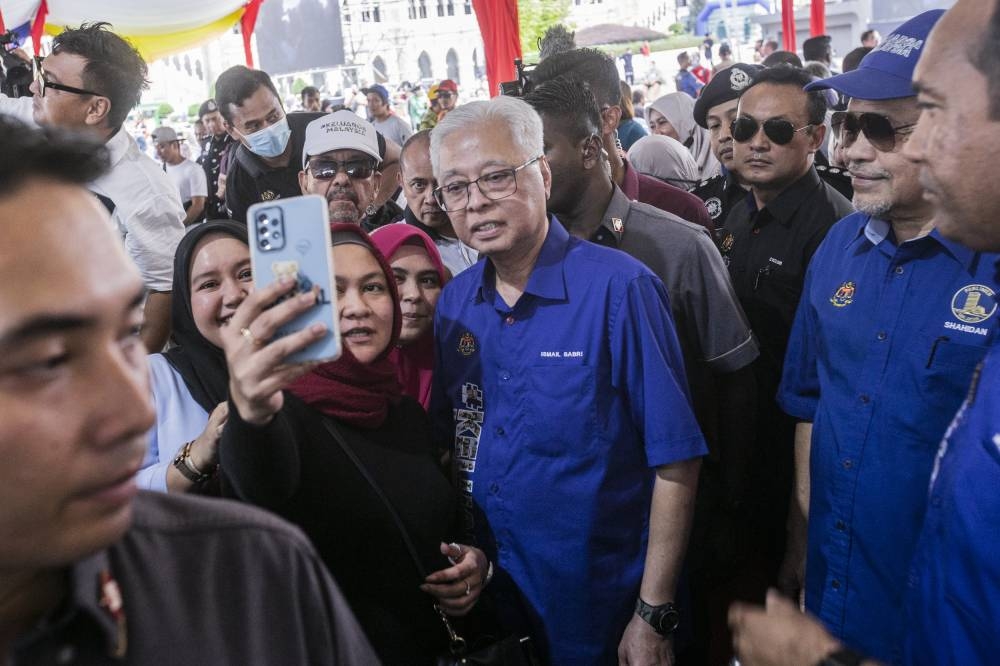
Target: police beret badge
{"points": [[738, 79]]}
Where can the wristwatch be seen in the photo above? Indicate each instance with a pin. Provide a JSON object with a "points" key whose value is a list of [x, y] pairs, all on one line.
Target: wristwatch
{"points": [[186, 466], [663, 619], [842, 657]]}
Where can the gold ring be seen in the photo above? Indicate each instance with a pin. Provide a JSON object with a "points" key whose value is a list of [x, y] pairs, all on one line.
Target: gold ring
{"points": [[468, 588], [245, 332]]}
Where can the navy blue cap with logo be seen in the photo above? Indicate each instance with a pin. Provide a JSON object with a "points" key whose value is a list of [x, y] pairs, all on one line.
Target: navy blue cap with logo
{"points": [[886, 72]]}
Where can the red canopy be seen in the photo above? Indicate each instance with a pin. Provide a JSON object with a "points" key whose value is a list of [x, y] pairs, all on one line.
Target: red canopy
{"points": [[817, 21]]}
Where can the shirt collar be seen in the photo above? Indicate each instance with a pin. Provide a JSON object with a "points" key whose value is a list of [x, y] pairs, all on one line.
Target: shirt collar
{"points": [[118, 145], [616, 214], [85, 596], [877, 230], [547, 279], [783, 207]]}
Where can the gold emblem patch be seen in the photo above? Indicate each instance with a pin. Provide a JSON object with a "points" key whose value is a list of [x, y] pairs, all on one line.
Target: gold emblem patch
{"points": [[844, 295], [467, 344], [973, 304]]}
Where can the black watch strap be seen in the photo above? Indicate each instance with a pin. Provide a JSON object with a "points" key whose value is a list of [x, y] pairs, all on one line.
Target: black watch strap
{"points": [[663, 619], [842, 657]]}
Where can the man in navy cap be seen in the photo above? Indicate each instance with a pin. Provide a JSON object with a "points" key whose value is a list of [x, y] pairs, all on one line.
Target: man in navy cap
{"points": [[386, 122], [715, 110], [893, 320]]}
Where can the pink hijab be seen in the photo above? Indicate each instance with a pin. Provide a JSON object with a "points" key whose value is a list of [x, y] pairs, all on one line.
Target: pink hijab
{"points": [[414, 362]]}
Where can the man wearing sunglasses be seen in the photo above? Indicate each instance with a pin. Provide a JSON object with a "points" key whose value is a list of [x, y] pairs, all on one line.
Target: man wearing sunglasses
{"points": [[893, 320], [88, 84], [768, 242], [949, 591], [340, 158]]}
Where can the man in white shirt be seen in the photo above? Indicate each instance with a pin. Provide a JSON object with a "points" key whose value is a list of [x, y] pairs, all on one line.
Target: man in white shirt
{"points": [[188, 177], [88, 84]]}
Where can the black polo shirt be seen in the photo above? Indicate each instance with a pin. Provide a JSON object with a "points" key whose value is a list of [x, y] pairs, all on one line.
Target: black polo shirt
{"points": [[721, 194], [250, 180], [768, 250]]}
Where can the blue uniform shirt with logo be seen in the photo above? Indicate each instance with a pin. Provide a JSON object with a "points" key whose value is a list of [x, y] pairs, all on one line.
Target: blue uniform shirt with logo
{"points": [[884, 344], [558, 409], [953, 597]]}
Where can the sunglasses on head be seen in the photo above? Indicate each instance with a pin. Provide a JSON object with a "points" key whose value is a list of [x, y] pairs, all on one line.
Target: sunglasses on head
{"points": [[779, 131], [328, 169], [878, 129]]}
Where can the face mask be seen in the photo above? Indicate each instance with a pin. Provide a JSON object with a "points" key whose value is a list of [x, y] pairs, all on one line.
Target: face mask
{"points": [[270, 141]]}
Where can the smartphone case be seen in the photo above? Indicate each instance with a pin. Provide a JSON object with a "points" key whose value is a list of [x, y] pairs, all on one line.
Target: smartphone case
{"points": [[292, 237]]}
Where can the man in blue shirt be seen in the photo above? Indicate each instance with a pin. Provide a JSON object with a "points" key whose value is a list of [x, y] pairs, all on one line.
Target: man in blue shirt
{"points": [[952, 586], [685, 81], [893, 320], [560, 386]]}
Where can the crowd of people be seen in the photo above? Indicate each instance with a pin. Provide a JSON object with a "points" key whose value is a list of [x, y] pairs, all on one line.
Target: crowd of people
{"points": [[602, 396]]}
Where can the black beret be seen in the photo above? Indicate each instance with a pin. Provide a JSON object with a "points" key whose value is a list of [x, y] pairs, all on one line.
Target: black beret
{"points": [[724, 86], [207, 107]]}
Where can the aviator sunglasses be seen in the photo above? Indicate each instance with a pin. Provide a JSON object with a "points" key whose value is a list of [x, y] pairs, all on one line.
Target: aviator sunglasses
{"points": [[877, 129], [779, 131]]}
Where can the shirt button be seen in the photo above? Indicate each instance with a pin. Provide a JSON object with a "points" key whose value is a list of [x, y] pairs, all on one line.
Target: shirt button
{"points": [[848, 463], [865, 399], [509, 320], [500, 432], [505, 376], [882, 335], [600, 236], [494, 487], [899, 270], [65, 655], [841, 526], [835, 584], [756, 231]]}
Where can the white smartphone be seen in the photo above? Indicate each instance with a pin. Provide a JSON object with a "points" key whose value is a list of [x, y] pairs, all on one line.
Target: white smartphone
{"points": [[291, 237]]}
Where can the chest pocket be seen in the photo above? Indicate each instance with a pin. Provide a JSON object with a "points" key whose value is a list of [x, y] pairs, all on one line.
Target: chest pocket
{"points": [[561, 410]]}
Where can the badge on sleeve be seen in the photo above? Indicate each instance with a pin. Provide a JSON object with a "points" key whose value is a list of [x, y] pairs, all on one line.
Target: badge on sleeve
{"points": [[844, 295]]}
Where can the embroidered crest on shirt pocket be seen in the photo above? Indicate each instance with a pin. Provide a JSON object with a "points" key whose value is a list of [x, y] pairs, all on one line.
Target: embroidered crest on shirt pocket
{"points": [[973, 304], [467, 344], [844, 295]]}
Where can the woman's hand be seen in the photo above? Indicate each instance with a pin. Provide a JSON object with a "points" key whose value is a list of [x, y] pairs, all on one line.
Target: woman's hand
{"points": [[457, 588], [205, 449], [257, 371]]}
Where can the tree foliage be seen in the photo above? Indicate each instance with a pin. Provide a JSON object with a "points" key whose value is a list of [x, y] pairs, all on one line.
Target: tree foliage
{"points": [[535, 17]]}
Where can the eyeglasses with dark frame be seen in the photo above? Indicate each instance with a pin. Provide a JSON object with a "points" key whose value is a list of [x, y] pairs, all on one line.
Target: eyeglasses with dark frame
{"points": [[495, 185], [777, 130], [44, 83], [328, 169], [878, 129]]}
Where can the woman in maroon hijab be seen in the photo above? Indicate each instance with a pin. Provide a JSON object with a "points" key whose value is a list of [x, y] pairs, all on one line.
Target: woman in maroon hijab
{"points": [[420, 274], [280, 450]]}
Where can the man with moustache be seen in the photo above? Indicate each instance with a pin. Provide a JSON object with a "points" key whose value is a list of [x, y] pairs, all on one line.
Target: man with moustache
{"points": [[92, 571], [559, 389], [715, 110], [340, 159], [422, 210], [893, 321], [952, 596], [768, 242]]}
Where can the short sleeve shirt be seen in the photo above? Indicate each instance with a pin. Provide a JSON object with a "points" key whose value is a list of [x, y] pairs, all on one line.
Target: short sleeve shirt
{"points": [[557, 411], [393, 128], [189, 179], [885, 341]]}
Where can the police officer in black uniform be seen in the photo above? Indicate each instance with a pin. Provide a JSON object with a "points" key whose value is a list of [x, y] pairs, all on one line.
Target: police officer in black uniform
{"points": [[715, 110], [216, 144], [768, 241]]}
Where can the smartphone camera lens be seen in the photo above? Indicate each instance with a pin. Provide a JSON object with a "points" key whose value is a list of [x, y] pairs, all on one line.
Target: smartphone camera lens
{"points": [[276, 235], [264, 243], [262, 231], [262, 218]]}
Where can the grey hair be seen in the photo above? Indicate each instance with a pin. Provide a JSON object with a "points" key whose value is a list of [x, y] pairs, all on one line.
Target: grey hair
{"points": [[524, 123]]}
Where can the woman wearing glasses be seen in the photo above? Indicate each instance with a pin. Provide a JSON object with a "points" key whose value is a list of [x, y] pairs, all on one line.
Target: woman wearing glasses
{"points": [[332, 447]]}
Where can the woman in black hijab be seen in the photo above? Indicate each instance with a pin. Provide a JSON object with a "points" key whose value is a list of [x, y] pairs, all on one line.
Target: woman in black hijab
{"points": [[190, 381]]}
